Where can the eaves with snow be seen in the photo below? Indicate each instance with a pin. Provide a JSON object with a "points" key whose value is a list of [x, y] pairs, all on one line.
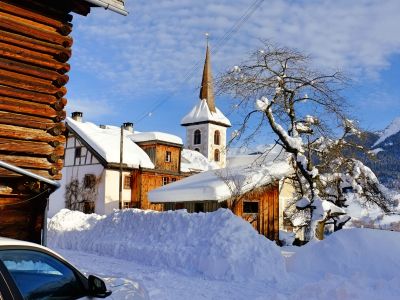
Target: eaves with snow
{"points": [[105, 142], [219, 185], [201, 113], [141, 137]]}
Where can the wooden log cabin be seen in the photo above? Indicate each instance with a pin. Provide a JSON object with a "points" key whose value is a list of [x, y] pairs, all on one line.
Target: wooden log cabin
{"points": [[35, 46], [251, 191]]}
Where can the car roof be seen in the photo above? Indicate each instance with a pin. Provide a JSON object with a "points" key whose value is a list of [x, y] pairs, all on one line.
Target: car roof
{"points": [[6, 243]]}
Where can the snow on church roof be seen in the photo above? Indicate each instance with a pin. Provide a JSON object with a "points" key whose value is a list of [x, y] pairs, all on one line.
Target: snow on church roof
{"points": [[106, 142], [155, 136], [218, 185], [202, 113], [194, 161]]}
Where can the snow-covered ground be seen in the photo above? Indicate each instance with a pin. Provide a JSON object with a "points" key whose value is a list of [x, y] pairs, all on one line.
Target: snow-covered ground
{"points": [[176, 255]]}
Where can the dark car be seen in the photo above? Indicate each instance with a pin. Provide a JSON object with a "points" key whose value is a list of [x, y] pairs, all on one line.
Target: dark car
{"points": [[31, 271]]}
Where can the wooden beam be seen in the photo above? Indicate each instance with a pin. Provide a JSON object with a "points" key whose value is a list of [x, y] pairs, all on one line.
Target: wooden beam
{"points": [[61, 53], [44, 173], [30, 147], [32, 57], [26, 121], [28, 134], [31, 162], [62, 27], [14, 25], [37, 72], [27, 95], [25, 107]]}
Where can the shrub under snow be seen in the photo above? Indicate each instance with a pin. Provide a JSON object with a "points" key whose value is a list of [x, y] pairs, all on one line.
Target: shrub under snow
{"points": [[218, 245]]}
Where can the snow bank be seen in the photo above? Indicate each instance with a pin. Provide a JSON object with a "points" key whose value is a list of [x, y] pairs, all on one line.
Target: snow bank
{"points": [[350, 253], [216, 245]]}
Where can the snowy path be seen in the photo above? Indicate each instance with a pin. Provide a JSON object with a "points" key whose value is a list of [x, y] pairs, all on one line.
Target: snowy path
{"points": [[163, 284]]}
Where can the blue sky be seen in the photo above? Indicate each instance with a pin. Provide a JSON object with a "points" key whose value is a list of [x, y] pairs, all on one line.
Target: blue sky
{"points": [[123, 67]]}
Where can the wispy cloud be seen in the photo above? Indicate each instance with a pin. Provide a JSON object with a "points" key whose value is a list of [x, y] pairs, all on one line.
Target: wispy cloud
{"points": [[159, 41]]}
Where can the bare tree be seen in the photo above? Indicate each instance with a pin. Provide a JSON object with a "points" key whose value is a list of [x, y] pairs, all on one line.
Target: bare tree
{"points": [[309, 119]]}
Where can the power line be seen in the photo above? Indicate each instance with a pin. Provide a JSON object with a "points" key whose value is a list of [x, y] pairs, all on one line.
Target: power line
{"points": [[219, 44]]}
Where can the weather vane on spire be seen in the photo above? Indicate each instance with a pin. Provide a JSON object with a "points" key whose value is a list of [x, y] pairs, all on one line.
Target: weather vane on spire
{"points": [[207, 35]]}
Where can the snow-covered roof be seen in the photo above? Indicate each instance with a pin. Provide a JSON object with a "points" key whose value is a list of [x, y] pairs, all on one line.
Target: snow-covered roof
{"points": [[106, 142], [392, 129], [202, 113], [155, 136], [117, 6], [218, 185], [194, 161]]}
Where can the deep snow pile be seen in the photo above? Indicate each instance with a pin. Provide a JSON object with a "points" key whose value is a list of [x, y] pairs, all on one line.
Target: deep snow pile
{"points": [[218, 245], [348, 252]]}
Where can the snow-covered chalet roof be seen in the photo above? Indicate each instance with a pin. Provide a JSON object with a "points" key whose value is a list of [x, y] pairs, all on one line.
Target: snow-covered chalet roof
{"points": [[202, 113], [106, 142], [217, 185], [155, 136], [194, 161]]}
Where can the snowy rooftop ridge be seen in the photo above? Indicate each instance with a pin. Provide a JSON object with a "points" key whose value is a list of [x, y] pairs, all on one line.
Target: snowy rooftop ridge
{"points": [[201, 113], [217, 185], [390, 130], [139, 137], [106, 142]]}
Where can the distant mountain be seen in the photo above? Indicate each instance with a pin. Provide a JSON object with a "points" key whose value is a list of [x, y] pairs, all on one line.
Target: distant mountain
{"points": [[386, 146]]}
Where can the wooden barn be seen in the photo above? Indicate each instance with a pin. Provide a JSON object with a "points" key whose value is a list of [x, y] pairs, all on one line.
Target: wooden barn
{"points": [[35, 46], [250, 191]]}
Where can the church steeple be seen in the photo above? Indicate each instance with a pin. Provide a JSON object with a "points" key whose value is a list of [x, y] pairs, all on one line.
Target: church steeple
{"points": [[207, 86]]}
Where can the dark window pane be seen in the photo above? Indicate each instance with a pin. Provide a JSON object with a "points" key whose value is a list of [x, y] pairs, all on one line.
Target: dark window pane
{"points": [[250, 207], [40, 276], [199, 207]]}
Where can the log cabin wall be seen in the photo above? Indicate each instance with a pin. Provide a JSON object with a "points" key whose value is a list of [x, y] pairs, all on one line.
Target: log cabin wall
{"points": [[34, 49], [144, 181], [158, 155]]}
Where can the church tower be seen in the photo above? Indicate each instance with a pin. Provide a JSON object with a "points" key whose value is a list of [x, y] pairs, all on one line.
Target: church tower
{"points": [[205, 124]]}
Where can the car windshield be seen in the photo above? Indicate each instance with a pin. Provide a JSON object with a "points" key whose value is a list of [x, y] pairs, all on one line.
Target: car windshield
{"points": [[41, 276]]}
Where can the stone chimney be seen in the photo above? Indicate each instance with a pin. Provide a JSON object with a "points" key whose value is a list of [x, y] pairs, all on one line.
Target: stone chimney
{"points": [[102, 126], [128, 126], [77, 116]]}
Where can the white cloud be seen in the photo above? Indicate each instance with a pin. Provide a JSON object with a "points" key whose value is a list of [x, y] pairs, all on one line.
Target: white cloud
{"points": [[160, 41]]}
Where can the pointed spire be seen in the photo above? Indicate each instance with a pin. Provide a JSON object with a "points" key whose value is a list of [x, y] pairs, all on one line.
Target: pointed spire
{"points": [[207, 87]]}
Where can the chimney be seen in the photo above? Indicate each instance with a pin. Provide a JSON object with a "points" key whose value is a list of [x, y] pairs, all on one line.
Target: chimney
{"points": [[102, 126], [128, 126], [77, 116]]}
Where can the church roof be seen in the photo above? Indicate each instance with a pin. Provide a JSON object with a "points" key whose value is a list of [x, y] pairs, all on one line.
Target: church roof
{"points": [[205, 111], [201, 113], [207, 86]]}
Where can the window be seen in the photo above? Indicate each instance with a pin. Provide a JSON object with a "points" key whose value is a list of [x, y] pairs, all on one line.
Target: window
{"points": [[197, 137], [127, 182], [41, 276], [199, 207], [173, 179], [151, 152], [126, 204], [168, 156], [197, 149], [217, 137], [216, 155], [250, 207], [89, 181], [78, 152], [165, 180]]}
